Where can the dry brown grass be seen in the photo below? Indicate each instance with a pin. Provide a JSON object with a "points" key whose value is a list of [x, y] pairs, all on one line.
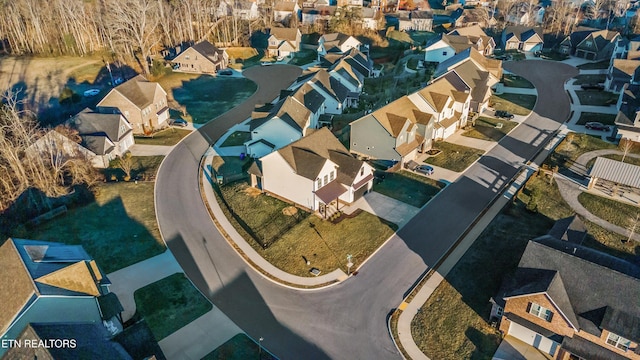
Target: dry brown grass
{"points": [[290, 211], [254, 192]]}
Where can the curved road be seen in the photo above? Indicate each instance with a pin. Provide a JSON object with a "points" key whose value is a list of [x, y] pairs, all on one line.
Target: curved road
{"points": [[347, 321]]}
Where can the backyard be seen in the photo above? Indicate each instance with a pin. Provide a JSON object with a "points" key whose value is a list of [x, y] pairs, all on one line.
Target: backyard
{"points": [[237, 138], [488, 129], [596, 98], [293, 235], [169, 304], [517, 104], [204, 97], [516, 81], [413, 189], [453, 157], [239, 347], [607, 119], [167, 137]]}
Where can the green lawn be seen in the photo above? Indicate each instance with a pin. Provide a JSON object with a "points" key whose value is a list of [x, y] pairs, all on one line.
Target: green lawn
{"points": [[170, 304], [453, 157], [590, 79], [237, 138], [516, 81], [486, 129], [604, 64], [168, 137], [205, 97], [517, 104], [572, 147], [615, 212], [323, 243], [118, 229], [408, 187], [596, 98], [304, 57], [607, 119], [239, 347]]}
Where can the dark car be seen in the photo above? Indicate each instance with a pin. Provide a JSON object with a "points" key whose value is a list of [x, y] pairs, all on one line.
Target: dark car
{"points": [[596, 126], [504, 114], [225, 72], [592, 87], [424, 169], [178, 122]]}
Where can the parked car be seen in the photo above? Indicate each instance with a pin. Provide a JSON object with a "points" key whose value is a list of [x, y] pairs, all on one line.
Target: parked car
{"points": [[504, 114], [280, 58], [118, 81], [424, 169], [225, 72], [266, 63], [178, 122], [594, 125], [598, 87], [91, 92]]}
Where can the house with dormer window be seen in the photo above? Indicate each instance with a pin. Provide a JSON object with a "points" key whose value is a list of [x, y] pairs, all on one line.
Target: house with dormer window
{"points": [[201, 58], [571, 302], [316, 173]]}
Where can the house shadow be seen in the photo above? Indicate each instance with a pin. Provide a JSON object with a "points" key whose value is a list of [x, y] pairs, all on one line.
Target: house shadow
{"points": [[239, 299], [483, 343]]}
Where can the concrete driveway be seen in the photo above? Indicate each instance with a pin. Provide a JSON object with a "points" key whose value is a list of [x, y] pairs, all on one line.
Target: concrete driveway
{"points": [[385, 207]]}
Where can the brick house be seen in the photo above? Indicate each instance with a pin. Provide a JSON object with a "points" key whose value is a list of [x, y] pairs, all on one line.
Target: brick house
{"points": [[571, 302], [142, 102]]}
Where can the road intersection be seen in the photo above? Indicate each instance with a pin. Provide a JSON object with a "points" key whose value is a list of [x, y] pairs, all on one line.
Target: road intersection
{"points": [[347, 320]]}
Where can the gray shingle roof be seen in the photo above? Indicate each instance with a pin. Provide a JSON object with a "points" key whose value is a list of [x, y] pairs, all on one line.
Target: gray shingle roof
{"points": [[88, 122], [588, 350]]}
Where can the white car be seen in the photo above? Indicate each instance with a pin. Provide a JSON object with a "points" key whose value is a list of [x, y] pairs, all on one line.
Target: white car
{"points": [[266, 63], [280, 58], [91, 92]]}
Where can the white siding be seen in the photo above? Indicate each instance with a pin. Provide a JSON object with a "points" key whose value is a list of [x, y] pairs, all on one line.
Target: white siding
{"points": [[332, 106], [348, 196], [279, 178], [438, 52]]}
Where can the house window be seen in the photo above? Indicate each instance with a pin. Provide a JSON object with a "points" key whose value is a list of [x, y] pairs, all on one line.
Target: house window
{"points": [[186, 57], [331, 175], [444, 53], [499, 311], [326, 179], [618, 341], [318, 183], [361, 171], [540, 311], [588, 43]]}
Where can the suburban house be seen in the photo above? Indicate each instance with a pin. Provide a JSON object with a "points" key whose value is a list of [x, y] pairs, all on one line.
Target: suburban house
{"points": [[315, 3], [241, 9], [56, 146], [445, 46], [478, 16], [415, 20], [628, 118], [568, 44], [523, 38], [598, 45], [318, 16], [201, 58], [336, 43], [448, 100], [621, 72], [395, 132], [371, 18], [272, 128], [316, 172], [283, 41], [285, 11], [483, 42], [350, 3], [479, 73], [105, 135], [46, 282], [143, 104], [571, 302], [337, 96]]}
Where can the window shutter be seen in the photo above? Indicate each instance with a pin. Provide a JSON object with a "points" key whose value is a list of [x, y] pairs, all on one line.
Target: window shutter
{"points": [[550, 316], [529, 307]]}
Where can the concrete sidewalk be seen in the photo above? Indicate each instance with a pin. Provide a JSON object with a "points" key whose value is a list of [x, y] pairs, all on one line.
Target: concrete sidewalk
{"points": [[188, 342], [255, 260], [150, 150], [126, 281]]}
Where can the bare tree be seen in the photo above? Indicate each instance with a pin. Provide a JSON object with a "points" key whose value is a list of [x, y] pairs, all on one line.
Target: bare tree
{"points": [[626, 145], [125, 163]]}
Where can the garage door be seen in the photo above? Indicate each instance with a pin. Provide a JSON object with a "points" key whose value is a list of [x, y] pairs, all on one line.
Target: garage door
{"points": [[358, 193], [533, 338]]}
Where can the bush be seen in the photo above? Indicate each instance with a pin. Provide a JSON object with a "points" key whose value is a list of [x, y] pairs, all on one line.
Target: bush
{"points": [[68, 96]]}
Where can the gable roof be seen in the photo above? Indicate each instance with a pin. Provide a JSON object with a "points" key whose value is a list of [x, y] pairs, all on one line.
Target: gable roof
{"points": [[616, 171], [288, 6], [207, 50], [138, 90], [570, 229], [309, 97], [394, 115], [601, 38], [450, 85], [286, 34], [593, 281], [289, 110], [17, 289], [98, 144], [88, 122], [522, 33], [333, 41], [471, 54], [626, 66], [629, 107]]}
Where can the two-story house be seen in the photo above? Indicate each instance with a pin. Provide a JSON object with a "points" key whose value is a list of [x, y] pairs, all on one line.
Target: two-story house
{"points": [[479, 73], [201, 58], [620, 73], [316, 172], [285, 11], [481, 41], [393, 132], [336, 43], [445, 46], [628, 118], [46, 282], [523, 38], [142, 102], [106, 135], [571, 302], [285, 122], [318, 16], [283, 41], [598, 45]]}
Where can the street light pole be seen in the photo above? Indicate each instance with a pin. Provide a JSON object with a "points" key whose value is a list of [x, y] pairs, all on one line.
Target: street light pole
{"points": [[349, 264], [260, 347]]}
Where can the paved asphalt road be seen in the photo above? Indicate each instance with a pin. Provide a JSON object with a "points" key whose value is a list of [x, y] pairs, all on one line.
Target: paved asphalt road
{"points": [[347, 321]]}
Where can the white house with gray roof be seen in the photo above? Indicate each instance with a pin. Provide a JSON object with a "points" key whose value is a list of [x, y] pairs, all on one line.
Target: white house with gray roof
{"points": [[316, 172], [46, 282]]}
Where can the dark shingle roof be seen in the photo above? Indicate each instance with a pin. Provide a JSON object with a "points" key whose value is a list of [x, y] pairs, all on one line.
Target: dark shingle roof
{"points": [[110, 306], [630, 105], [208, 50], [569, 229], [588, 350], [309, 97], [138, 90], [99, 145], [88, 122]]}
